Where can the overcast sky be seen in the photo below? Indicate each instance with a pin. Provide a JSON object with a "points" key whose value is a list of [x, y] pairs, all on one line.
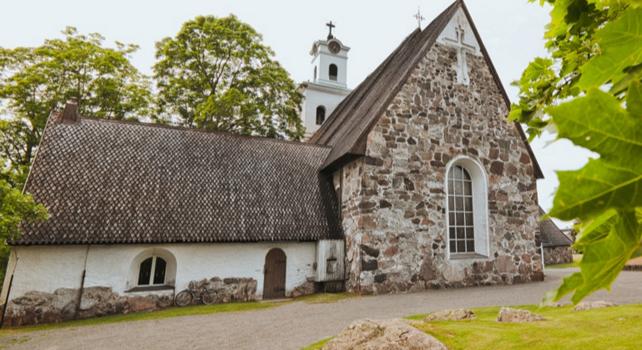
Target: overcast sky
{"points": [[512, 31]]}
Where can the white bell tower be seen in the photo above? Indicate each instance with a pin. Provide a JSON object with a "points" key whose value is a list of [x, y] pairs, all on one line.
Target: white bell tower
{"points": [[328, 86]]}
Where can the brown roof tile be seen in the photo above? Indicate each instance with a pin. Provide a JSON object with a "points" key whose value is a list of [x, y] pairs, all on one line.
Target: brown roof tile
{"points": [[552, 236], [116, 182]]}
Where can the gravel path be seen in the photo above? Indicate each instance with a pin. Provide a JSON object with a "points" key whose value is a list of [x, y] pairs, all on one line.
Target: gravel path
{"points": [[295, 325]]}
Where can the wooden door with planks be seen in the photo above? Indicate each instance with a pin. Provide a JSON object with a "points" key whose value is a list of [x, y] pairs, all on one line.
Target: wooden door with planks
{"points": [[274, 279]]}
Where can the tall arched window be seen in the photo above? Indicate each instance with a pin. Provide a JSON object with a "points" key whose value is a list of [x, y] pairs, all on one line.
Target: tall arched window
{"points": [[152, 271], [320, 115], [467, 204], [461, 231], [333, 72]]}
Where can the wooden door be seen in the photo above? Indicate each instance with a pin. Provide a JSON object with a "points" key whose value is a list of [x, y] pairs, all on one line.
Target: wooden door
{"points": [[274, 279]]}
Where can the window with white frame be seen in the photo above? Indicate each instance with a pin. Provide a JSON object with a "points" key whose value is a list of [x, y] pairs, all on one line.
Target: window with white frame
{"points": [[152, 271], [461, 230], [467, 207]]}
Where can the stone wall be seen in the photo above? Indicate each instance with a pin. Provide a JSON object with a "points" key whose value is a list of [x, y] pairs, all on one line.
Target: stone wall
{"points": [[558, 255], [39, 307], [393, 199]]}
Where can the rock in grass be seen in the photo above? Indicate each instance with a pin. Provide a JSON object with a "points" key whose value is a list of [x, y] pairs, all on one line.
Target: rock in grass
{"points": [[451, 315], [383, 335], [588, 305], [507, 314]]}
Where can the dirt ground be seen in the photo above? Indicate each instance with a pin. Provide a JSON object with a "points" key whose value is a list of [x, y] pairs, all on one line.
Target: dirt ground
{"points": [[295, 325]]}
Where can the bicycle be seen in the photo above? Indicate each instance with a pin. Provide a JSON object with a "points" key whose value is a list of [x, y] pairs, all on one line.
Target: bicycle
{"points": [[187, 296]]}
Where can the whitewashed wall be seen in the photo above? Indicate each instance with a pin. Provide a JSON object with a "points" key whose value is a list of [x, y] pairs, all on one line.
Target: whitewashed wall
{"points": [[47, 268], [317, 95]]}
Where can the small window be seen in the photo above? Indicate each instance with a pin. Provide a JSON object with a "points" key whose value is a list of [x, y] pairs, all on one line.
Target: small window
{"points": [[333, 72], [320, 115], [315, 73], [152, 271]]}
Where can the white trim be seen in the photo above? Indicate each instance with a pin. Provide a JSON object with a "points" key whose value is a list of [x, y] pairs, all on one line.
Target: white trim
{"points": [[170, 268], [480, 207]]}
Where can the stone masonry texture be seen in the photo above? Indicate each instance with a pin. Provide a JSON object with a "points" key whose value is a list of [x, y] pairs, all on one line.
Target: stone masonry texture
{"points": [[558, 255], [393, 200]]}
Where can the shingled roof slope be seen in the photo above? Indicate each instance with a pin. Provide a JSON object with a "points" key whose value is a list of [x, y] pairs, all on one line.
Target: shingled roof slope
{"points": [[552, 236], [347, 128], [109, 182]]}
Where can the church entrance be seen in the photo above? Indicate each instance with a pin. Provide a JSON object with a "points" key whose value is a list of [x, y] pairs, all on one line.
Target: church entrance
{"points": [[274, 279]]}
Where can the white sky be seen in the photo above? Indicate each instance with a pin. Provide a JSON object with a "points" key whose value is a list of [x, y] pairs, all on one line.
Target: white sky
{"points": [[512, 31]]}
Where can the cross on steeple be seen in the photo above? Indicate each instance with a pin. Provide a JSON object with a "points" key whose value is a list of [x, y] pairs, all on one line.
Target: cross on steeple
{"points": [[330, 26], [419, 18]]}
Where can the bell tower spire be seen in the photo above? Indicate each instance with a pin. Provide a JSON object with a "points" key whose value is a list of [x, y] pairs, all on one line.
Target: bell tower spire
{"points": [[329, 85]]}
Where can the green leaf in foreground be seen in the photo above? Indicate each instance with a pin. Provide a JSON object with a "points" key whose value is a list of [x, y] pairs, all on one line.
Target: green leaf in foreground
{"points": [[621, 45], [603, 259], [615, 179]]}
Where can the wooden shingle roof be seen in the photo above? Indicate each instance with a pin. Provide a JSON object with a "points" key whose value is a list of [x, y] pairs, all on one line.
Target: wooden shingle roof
{"points": [[347, 128], [109, 182], [552, 236]]}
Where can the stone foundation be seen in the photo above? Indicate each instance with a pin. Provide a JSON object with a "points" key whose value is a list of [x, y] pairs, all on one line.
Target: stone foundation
{"points": [[306, 288], [227, 289], [39, 307], [558, 255]]}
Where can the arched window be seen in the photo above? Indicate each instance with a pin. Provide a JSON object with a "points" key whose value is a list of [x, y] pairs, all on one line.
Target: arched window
{"points": [[320, 115], [333, 72], [152, 271], [461, 230], [315, 73], [467, 205]]}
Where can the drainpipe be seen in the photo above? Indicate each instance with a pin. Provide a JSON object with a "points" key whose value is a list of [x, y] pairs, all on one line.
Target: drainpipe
{"points": [[541, 250], [82, 284], [6, 299]]}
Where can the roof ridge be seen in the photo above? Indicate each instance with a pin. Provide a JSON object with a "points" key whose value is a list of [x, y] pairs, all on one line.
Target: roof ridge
{"points": [[366, 105], [183, 128]]}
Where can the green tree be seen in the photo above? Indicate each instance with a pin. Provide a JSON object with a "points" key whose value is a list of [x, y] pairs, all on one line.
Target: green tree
{"points": [[217, 74], [15, 208], [35, 81], [588, 91]]}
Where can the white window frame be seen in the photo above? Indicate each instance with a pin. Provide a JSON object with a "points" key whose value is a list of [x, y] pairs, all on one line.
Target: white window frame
{"points": [[480, 207], [152, 272]]}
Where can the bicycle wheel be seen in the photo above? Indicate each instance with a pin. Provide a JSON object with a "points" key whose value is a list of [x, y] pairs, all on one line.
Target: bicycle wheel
{"points": [[207, 298], [183, 298]]}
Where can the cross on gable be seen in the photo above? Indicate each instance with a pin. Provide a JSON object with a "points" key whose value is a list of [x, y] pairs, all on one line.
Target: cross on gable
{"points": [[462, 49], [419, 18]]}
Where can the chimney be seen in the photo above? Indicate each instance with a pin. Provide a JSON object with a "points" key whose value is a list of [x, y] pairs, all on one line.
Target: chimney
{"points": [[70, 112]]}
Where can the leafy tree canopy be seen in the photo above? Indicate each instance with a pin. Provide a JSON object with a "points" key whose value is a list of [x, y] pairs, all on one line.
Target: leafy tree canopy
{"points": [[35, 81], [217, 74], [15, 208], [588, 91]]}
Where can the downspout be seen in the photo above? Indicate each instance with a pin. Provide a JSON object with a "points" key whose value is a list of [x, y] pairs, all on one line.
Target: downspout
{"points": [[541, 250], [6, 299], [82, 284]]}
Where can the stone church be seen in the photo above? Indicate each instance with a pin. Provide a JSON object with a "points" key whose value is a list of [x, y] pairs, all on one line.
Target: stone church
{"points": [[413, 180]]}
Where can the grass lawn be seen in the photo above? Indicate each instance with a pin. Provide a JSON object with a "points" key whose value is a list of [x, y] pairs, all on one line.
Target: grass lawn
{"points": [[318, 345], [609, 328], [615, 328]]}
